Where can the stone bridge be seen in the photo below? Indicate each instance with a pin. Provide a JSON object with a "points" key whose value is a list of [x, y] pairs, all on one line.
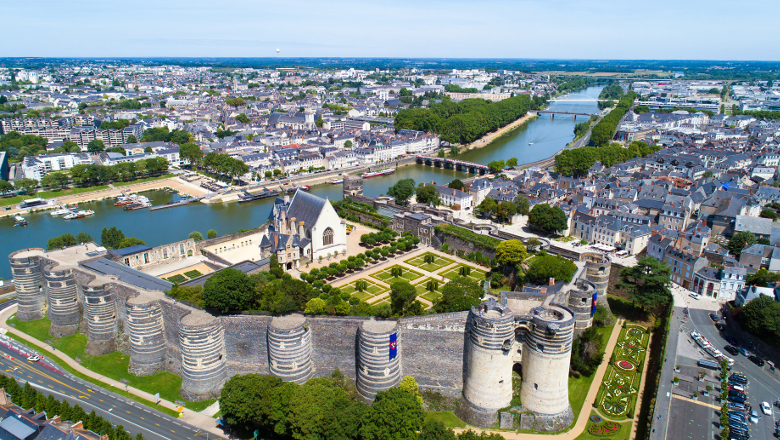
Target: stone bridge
{"points": [[453, 164]]}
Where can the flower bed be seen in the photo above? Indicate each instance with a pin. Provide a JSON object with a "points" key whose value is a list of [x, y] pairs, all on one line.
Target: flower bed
{"points": [[604, 429], [618, 392]]}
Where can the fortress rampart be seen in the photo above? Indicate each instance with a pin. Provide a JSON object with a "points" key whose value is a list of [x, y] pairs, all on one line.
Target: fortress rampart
{"points": [[473, 353]]}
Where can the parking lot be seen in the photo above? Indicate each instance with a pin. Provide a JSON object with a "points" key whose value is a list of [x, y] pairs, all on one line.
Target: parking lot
{"points": [[690, 420]]}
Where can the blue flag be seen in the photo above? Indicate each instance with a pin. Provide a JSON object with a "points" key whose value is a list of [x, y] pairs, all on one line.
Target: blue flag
{"points": [[393, 345], [593, 306]]}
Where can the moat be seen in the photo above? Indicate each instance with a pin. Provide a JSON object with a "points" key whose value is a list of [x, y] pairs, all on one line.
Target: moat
{"points": [[538, 139]]}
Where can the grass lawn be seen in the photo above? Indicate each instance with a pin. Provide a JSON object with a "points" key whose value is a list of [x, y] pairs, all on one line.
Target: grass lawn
{"points": [[385, 300], [113, 365], [422, 290], [578, 388], [70, 191], [431, 296], [476, 274], [192, 273], [406, 274], [15, 200], [622, 434], [371, 291], [449, 418], [145, 179], [177, 279], [438, 262]]}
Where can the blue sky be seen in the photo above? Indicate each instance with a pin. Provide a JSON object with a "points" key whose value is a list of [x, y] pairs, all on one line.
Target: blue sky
{"points": [[584, 29]]}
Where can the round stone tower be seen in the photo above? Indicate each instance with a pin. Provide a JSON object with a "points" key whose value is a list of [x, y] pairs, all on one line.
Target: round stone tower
{"points": [[62, 296], [289, 348], [147, 340], [376, 369], [353, 185], [101, 319], [546, 367], [487, 378], [597, 268], [582, 298], [203, 367], [28, 280]]}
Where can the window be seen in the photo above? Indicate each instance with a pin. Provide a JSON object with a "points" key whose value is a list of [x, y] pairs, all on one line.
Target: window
{"points": [[146, 258], [181, 248], [165, 253], [327, 237]]}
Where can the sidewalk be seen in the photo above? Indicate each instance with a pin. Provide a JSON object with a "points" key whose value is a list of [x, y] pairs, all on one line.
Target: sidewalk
{"points": [[190, 417], [587, 405]]}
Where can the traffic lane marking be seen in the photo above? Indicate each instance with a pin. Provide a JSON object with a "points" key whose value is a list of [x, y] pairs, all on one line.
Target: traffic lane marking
{"points": [[36, 371]]}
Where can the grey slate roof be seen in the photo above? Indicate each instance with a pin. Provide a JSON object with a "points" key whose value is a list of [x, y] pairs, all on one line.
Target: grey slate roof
{"points": [[126, 274], [757, 225], [305, 207]]}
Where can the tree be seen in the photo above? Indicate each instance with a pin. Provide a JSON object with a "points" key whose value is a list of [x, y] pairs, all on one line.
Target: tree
{"points": [[496, 166], [457, 184], [761, 316], [211, 233], [119, 150], [740, 241], [402, 191], [460, 294], [428, 194], [245, 400], [348, 144], [131, 139], [53, 180], [647, 282], [63, 240], [195, 235], [242, 117], [409, 385], [26, 185], [5, 187], [319, 121], [111, 238], [505, 210], [768, 213], [129, 241], [551, 219], [511, 162], [148, 150], [762, 277], [707, 174], [83, 237], [544, 267], [510, 253], [402, 295], [522, 204], [228, 290], [96, 146], [395, 414]]}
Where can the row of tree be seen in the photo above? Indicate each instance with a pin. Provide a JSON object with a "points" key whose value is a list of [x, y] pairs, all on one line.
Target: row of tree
{"points": [[467, 120], [603, 131], [578, 161], [329, 408], [28, 397]]}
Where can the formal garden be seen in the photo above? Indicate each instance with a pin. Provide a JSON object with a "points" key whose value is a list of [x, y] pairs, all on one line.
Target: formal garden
{"points": [[429, 262], [599, 428], [364, 289], [430, 289], [464, 270], [619, 388], [396, 273]]}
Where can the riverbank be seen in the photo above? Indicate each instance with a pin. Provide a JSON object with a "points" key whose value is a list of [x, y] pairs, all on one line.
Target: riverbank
{"points": [[490, 137], [113, 191]]}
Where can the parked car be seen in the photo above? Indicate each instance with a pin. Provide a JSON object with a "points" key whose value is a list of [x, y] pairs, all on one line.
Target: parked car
{"points": [[738, 414], [756, 360], [743, 351], [730, 340], [731, 350], [736, 387], [754, 416], [736, 406], [693, 295], [737, 399], [714, 317], [736, 377], [720, 327], [766, 409], [737, 393], [34, 358]]}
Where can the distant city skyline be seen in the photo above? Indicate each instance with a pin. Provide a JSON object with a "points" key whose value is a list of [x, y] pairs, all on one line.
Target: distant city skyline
{"points": [[585, 29]]}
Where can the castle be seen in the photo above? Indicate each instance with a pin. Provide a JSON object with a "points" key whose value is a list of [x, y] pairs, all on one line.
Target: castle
{"points": [[120, 308]]}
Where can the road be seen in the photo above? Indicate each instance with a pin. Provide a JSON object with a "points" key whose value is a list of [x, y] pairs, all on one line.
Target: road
{"points": [[48, 378], [763, 387]]}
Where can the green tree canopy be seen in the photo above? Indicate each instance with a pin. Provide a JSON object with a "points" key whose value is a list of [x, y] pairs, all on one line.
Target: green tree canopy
{"points": [[83, 237], [761, 317], [402, 190], [544, 267], [521, 204], [740, 241], [428, 194], [460, 294], [26, 185], [129, 241], [456, 184], [395, 414], [195, 235], [111, 237], [63, 240], [509, 253], [211, 233], [228, 290], [96, 146], [549, 218], [647, 282], [402, 295]]}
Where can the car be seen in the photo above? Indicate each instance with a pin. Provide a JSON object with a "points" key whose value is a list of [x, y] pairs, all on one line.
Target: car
{"points": [[738, 414], [693, 295], [736, 377], [766, 409], [731, 350], [736, 399], [737, 387], [730, 340], [756, 360], [754, 416], [743, 351], [34, 358], [714, 317], [720, 327], [737, 393], [733, 421], [737, 406]]}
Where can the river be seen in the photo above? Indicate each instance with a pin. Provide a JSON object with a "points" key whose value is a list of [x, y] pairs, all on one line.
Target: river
{"points": [[546, 135]]}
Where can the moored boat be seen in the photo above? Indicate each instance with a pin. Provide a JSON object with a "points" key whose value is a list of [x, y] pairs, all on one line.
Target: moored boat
{"points": [[20, 221]]}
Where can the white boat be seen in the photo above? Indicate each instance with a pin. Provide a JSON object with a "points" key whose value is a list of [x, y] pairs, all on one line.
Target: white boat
{"points": [[20, 221], [59, 212], [530, 143], [337, 181], [79, 214]]}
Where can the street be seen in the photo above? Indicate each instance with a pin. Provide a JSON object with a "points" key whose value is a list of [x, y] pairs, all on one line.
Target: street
{"points": [[49, 378]]}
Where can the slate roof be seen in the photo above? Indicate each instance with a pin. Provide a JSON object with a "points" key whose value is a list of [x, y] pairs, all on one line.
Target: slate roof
{"points": [[306, 207], [126, 274], [757, 225], [132, 249]]}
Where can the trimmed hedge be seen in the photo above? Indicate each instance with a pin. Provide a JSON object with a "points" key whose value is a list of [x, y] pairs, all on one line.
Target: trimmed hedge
{"points": [[468, 235]]}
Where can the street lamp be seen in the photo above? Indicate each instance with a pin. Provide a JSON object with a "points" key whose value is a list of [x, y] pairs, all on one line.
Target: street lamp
{"points": [[110, 420]]}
